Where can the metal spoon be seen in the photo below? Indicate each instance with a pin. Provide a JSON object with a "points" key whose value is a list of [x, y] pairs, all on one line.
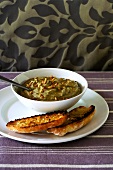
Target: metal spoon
{"points": [[14, 83]]}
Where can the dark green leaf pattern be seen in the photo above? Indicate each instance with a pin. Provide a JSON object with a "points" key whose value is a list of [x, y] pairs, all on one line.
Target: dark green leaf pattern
{"points": [[75, 13], [2, 32], [91, 46], [11, 11], [60, 5], [2, 45], [4, 66], [26, 32], [44, 10], [71, 34], [36, 20], [35, 43], [54, 61], [72, 50], [12, 50], [47, 51], [21, 62], [95, 15]]}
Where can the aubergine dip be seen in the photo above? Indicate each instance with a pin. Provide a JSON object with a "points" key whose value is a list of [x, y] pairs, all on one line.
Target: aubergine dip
{"points": [[50, 89]]}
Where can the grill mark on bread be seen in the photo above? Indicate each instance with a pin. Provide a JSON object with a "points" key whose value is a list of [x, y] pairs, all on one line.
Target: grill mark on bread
{"points": [[77, 118], [38, 122], [59, 123]]}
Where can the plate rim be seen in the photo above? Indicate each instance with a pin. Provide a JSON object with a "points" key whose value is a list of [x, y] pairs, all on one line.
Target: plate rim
{"points": [[58, 139]]}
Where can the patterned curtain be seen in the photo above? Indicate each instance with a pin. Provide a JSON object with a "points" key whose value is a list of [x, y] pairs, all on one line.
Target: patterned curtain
{"points": [[71, 34]]}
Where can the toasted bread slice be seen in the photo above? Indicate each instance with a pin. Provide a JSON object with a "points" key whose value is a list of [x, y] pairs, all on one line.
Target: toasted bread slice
{"points": [[77, 118], [38, 122]]}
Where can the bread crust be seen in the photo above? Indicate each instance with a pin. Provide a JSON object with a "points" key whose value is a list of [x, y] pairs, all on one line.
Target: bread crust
{"points": [[77, 118], [59, 123], [37, 123]]}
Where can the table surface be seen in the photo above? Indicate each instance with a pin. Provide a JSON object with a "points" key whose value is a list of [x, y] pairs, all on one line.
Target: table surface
{"points": [[91, 152]]}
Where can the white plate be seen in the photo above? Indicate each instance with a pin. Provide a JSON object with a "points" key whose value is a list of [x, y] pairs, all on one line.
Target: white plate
{"points": [[11, 108]]}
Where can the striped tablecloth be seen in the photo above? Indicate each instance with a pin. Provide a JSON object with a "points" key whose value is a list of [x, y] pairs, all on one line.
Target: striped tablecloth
{"points": [[92, 152]]}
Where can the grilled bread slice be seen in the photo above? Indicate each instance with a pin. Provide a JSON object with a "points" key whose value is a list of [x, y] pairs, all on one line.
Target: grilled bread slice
{"points": [[77, 118], [38, 122]]}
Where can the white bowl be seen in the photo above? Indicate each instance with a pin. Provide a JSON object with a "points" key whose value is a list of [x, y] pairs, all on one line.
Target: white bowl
{"points": [[49, 106]]}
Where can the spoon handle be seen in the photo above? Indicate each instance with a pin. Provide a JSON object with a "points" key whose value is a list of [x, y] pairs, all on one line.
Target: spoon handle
{"points": [[14, 83]]}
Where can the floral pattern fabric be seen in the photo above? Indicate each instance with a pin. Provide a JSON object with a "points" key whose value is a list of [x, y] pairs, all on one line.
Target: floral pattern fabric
{"points": [[71, 34]]}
